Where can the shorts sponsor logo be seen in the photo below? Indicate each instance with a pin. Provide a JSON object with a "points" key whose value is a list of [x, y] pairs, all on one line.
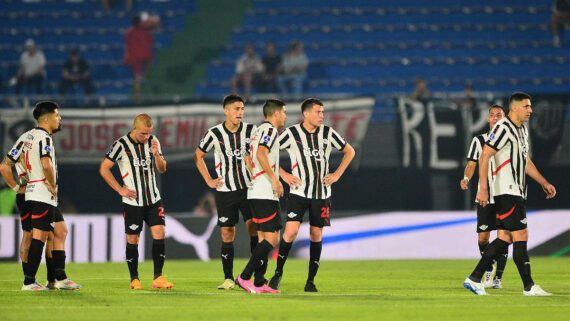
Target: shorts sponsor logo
{"points": [[523, 220], [133, 227], [292, 215], [483, 227], [223, 219]]}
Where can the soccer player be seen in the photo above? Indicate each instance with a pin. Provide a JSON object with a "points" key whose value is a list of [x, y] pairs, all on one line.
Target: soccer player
{"points": [[41, 193], [230, 141], [264, 195], [486, 221], [13, 160], [309, 145], [137, 153], [508, 144]]}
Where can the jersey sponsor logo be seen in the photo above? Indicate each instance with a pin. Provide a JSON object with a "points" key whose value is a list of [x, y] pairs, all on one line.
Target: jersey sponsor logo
{"points": [[223, 219], [142, 162], [292, 215], [13, 152], [47, 149], [483, 227], [133, 227], [316, 153], [492, 136], [237, 153], [266, 139], [523, 220]]}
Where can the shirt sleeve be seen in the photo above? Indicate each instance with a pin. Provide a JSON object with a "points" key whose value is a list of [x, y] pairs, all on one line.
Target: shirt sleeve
{"points": [[336, 140], [249, 137], [285, 140], [207, 142], [16, 151], [46, 147], [268, 138], [114, 153], [474, 150], [498, 137]]}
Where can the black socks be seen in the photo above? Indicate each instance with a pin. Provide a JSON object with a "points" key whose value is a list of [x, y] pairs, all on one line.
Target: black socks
{"points": [[132, 256], [228, 259], [158, 256]]}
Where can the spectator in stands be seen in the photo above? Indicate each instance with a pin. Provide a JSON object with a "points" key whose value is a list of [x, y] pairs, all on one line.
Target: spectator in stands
{"points": [[75, 72], [248, 69], [421, 92], [271, 62], [32, 68], [293, 69], [560, 16], [469, 101], [139, 43], [108, 4]]}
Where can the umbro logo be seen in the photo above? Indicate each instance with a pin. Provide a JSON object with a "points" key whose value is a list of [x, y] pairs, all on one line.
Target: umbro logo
{"points": [[223, 219], [523, 220], [134, 227], [483, 227], [292, 215]]}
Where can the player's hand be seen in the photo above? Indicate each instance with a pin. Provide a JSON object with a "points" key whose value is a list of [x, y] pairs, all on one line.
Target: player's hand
{"points": [[154, 147], [293, 181], [483, 197], [216, 183], [464, 184], [330, 179], [549, 190], [277, 188], [51, 189], [128, 193]]}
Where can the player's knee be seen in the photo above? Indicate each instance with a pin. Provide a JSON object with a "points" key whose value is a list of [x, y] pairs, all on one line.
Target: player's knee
{"points": [[290, 235], [228, 234], [483, 238], [61, 233], [133, 238]]}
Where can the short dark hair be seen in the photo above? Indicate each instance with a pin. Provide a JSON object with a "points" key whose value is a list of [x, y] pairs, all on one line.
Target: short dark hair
{"points": [[74, 52], [44, 108], [271, 106], [232, 98], [518, 96], [308, 104], [497, 106]]}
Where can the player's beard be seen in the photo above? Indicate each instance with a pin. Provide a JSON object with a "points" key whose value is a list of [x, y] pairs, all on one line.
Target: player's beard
{"points": [[57, 129]]}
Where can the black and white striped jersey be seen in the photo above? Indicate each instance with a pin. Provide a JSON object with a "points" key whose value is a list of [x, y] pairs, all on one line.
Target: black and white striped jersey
{"points": [[310, 153], [475, 151], [265, 136], [41, 145], [17, 155], [137, 167], [512, 146], [229, 151]]}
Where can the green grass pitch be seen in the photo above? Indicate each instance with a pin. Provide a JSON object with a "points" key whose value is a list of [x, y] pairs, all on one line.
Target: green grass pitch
{"points": [[349, 290]]}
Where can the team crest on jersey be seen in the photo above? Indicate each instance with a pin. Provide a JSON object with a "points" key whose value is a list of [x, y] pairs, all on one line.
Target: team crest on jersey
{"points": [[14, 152], [47, 149], [267, 139], [247, 140], [492, 136], [325, 141]]}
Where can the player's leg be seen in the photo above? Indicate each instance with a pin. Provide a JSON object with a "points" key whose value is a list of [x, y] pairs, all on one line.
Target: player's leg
{"points": [[26, 223], [62, 282], [50, 265], [155, 218], [42, 218], [245, 209], [25, 248], [227, 205], [319, 217], [133, 217], [502, 258]]}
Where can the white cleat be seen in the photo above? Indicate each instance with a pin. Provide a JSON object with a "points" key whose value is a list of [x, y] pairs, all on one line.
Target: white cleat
{"points": [[67, 284], [34, 287], [488, 278], [474, 287], [497, 284], [536, 290]]}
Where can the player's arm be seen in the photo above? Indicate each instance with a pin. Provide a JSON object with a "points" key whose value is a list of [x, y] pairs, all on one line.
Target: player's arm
{"points": [[264, 163], [49, 174], [468, 174], [105, 172], [158, 158], [291, 180], [483, 194], [201, 165], [349, 153], [6, 171], [533, 172]]}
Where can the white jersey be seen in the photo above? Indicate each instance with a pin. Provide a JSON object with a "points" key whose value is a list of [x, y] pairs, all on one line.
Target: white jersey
{"points": [[475, 151], [136, 164], [512, 146], [265, 135], [15, 154], [229, 151], [41, 145], [309, 154]]}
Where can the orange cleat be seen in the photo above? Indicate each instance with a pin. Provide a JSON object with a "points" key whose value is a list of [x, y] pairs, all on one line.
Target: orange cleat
{"points": [[161, 283], [136, 284]]}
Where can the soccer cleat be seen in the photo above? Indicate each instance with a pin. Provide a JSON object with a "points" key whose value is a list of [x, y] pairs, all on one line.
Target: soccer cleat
{"points": [[161, 283], [34, 287], [67, 284], [536, 290], [267, 289], [310, 287], [497, 284], [247, 285], [474, 287], [136, 284], [50, 285], [488, 278], [228, 284], [275, 281]]}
